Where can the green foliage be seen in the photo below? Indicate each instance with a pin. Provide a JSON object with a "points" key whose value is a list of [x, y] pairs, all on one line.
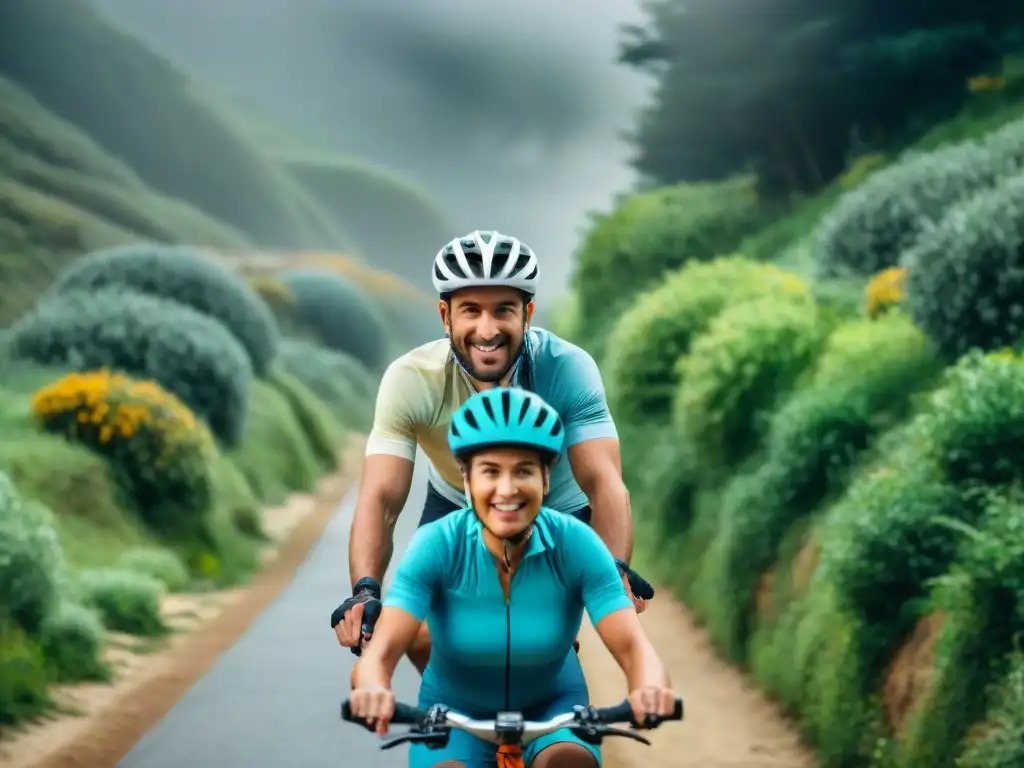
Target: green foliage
{"points": [[1001, 744], [340, 315], [976, 428], [323, 431], [654, 233], [966, 282], [31, 560], [126, 600], [188, 353], [188, 277], [161, 564], [23, 677], [871, 226], [649, 338], [72, 640], [749, 357], [274, 454], [338, 379]]}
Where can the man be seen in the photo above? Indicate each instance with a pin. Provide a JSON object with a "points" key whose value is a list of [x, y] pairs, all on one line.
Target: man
{"points": [[486, 282]]}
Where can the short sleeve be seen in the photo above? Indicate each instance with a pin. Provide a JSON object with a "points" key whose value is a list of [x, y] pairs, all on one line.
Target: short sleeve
{"points": [[399, 401], [583, 405], [418, 576], [589, 560]]}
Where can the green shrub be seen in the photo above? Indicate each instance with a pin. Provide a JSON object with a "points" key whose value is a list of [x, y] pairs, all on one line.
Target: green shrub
{"points": [[186, 276], [126, 600], [650, 337], [31, 560], [72, 640], [340, 315], [162, 564], [159, 450], [1001, 744], [338, 379], [748, 358], [966, 283], [983, 597], [657, 232], [323, 431], [976, 428], [186, 352], [872, 225], [1006, 145], [275, 454], [24, 678]]}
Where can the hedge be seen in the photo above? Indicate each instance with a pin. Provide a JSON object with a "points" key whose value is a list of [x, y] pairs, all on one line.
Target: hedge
{"points": [[187, 276], [186, 352]]}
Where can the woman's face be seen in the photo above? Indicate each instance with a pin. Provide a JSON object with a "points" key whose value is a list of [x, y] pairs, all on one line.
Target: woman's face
{"points": [[506, 487]]}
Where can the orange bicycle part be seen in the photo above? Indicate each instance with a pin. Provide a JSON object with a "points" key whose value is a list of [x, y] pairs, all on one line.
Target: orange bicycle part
{"points": [[510, 756]]}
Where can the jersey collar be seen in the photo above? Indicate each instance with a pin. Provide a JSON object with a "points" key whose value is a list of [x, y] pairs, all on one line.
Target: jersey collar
{"points": [[538, 542]]}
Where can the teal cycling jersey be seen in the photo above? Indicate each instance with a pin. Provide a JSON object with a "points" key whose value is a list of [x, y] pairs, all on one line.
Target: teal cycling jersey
{"points": [[488, 654], [421, 390]]}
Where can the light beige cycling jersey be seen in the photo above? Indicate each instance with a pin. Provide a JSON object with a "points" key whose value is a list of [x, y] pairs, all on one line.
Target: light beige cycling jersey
{"points": [[421, 390]]}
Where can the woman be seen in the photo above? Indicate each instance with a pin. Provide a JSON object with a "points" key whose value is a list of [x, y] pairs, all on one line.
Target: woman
{"points": [[503, 586]]}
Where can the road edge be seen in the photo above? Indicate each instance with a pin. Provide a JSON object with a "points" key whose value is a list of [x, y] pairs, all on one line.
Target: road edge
{"points": [[126, 719]]}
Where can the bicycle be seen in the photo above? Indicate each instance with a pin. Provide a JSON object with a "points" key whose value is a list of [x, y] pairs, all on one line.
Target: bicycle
{"points": [[509, 730]]}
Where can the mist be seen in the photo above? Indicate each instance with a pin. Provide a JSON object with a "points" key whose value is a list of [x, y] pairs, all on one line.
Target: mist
{"points": [[509, 113]]}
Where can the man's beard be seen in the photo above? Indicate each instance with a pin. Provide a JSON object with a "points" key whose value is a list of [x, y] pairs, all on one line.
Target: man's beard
{"points": [[466, 358]]}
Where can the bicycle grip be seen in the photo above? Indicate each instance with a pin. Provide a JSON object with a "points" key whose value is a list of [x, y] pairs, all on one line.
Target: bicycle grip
{"points": [[623, 713], [404, 715], [638, 585], [371, 612]]}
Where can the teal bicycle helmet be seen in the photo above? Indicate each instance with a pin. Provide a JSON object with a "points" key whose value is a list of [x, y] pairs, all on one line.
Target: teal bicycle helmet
{"points": [[506, 417]]}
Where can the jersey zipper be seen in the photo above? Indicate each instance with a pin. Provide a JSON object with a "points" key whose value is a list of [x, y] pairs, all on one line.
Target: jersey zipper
{"points": [[508, 640]]}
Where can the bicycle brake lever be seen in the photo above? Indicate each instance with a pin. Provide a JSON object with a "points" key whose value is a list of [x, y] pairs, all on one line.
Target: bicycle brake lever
{"points": [[432, 740], [626, 734]]}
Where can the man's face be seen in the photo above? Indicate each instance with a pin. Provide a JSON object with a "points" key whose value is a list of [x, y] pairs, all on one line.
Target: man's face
{"points": [[486, 326]]}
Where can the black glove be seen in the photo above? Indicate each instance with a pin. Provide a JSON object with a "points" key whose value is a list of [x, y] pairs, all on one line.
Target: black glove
{"points": [[637, 583], [365, 591]]}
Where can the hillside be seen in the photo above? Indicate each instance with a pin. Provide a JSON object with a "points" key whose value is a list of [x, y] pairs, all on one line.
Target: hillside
{"points": [[108, 143]]}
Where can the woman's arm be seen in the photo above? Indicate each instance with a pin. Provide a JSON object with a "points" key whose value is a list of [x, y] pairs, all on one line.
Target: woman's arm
{"points": [[624, 637], [393, 634]]}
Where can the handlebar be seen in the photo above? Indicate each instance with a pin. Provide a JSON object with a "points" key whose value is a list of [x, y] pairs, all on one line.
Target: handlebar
{"points": [[432, 726]]}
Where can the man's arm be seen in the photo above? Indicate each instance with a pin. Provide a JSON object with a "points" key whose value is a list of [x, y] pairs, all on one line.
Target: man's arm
{"points": [[387, 472], [593, 448], [382, 495], [597, 467]]}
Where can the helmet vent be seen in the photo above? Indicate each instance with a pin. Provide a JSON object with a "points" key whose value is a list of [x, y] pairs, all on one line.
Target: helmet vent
{"points": [[471, 419], [490, 409], [523, 409], [541, 418], [556, 430], [506, 405]]}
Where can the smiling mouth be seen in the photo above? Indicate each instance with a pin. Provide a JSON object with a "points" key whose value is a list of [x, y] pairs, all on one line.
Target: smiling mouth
{"points": [[507, 509], [488, 349]]}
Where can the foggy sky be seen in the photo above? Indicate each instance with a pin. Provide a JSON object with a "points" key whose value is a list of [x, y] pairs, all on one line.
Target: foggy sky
{"points": [[509, 112]]}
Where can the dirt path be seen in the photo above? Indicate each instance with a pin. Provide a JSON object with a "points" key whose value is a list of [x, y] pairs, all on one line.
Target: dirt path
{"points": [[728, 723]]}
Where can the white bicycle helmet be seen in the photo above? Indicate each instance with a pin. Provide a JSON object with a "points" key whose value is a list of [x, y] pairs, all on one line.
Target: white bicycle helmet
{"points": [[482, 258]]}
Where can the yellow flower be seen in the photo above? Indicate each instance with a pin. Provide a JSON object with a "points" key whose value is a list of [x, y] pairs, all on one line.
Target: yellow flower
{"points": [[885, 290]]}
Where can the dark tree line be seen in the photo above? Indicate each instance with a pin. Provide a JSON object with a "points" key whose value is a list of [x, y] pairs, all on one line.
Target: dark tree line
{"points": [[787, 89]]}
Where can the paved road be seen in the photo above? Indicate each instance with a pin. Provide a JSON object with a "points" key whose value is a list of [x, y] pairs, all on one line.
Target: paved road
{"points": [[273, 700]]}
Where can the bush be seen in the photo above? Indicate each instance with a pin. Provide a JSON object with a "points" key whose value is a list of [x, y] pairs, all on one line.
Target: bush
{"points": [[322, 430], [657, 232], [72, 640], [275, 454], [127, 601], [31, 560], [884, 291], [186, 276], [159, 450], [188, 353], [871, 226], [340, 315], [966, 284], [336, 378], [737, 370], [1001, 744], [161, 564], [649, 338], [976, 428], [24, 678]]}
